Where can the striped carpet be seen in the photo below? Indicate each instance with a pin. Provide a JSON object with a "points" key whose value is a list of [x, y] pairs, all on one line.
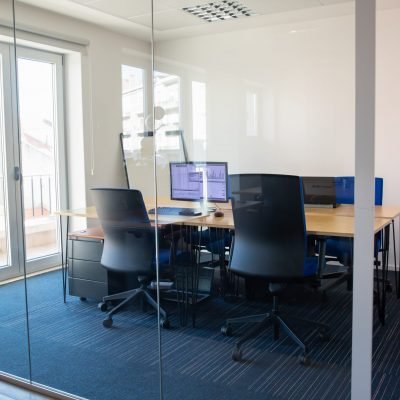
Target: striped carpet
{"points": [[71, 350]]}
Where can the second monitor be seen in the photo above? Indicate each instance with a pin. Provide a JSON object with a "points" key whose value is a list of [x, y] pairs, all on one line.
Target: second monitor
{"points": [[197, 181]]}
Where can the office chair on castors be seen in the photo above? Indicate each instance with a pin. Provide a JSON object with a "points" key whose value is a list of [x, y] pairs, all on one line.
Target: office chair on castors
{"points": [[341, 249], [270, 243], [129, 245]]}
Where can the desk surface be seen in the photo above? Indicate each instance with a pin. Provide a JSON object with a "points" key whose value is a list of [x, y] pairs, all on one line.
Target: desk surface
{"points": [[347, 210], [90, 212], [318, 223]]}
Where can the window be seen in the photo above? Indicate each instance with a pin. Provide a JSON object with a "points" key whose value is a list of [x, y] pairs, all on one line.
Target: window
{"points": [[133, 111]]}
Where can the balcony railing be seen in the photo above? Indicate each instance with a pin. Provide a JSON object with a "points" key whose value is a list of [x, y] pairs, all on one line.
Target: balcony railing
{"points": [[41, 228], [39, 195]]}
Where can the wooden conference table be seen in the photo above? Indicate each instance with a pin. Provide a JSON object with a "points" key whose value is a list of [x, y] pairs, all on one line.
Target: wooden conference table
{"points": [[320, 222]]}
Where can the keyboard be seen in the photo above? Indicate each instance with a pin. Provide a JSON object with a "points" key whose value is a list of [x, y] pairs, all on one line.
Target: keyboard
{"points": [[176, 211]]}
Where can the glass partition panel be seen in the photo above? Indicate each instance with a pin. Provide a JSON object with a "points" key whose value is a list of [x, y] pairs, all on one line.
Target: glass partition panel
{"points": [[268, 89], [85, 87], [14, 352], [385, 355]]}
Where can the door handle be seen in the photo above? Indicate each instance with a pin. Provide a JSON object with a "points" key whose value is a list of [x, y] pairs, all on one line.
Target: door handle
{"points": [[17, 173]]}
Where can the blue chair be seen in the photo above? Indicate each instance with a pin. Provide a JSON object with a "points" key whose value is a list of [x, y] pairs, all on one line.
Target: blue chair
{"points": [[345, 190], [342, 248], [216, 242]]}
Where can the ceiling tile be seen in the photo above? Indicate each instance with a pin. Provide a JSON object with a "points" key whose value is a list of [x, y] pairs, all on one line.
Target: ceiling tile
{"points": [[124, 8], [277, 6], [85, 2], [330, 2], [170, 19]]}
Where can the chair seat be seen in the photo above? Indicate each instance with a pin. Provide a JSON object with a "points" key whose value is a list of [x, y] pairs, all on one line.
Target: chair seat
{"points": [[339, 247], [310, 266], [163, 257], [342, 248], [212, 240]]}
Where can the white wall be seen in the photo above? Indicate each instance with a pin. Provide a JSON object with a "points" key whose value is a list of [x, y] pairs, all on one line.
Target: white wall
{"points": [[304, 82], [100, 92], [303, 75], [387, 161]]}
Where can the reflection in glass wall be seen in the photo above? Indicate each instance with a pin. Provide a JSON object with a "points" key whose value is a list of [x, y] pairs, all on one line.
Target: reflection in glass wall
{"points": [[4, 207], [268, 90], [14, 353], [92, 318], [240, 95]]}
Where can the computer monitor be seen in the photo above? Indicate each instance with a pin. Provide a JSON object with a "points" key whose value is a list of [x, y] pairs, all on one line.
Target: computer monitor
{"points": [[319, 191], [197, 181]]}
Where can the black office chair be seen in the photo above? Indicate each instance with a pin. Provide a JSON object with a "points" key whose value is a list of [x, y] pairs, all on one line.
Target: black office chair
{"points": [[129, 245], [270, 243]]}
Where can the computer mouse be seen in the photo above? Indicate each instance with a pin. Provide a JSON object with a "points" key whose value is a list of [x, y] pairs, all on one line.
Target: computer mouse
{"points": [[218, 213]]}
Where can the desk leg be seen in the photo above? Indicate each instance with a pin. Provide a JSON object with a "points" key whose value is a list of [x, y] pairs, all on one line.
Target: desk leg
{"points": [[195, 278], [62, 257], [396, 277], [180, 276], [65, 269], [321, 255], [381, 282]]}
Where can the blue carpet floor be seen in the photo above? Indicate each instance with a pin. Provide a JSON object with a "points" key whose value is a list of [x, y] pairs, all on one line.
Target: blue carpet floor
{"points": [[71, 350]]}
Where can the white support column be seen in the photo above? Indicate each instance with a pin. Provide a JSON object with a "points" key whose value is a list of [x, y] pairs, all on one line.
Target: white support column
{"points": [[364, 200]]}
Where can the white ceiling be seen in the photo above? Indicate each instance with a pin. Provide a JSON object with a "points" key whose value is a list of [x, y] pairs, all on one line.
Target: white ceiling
{"points": [[133, 17]]}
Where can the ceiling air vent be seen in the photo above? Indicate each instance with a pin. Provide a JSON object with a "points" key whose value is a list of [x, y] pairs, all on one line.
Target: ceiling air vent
{"points": [[220, 10]]}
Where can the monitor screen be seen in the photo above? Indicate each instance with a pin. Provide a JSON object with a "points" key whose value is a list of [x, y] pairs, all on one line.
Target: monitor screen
{"points": [[195, 181], [319, 190]]}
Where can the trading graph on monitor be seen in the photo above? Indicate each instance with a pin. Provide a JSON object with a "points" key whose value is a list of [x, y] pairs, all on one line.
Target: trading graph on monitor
{"points": [[197, 181]]}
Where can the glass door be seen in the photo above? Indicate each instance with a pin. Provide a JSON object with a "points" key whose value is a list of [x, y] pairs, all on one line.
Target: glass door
{"points": [[42, 153], [42, 159], [9, 255]]}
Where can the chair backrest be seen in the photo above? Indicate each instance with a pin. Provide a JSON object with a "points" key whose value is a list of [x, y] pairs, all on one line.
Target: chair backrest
{"points": [[129, 239], [345, 190], [270, 231]]}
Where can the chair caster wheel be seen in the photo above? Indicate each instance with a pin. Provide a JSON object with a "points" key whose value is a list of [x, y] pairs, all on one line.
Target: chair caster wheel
{"points": [[324, 336], [324, 297], [304, 360], [82, 298], [164, 323], [227, 330], [102, 306], [237, 355], [107, 323]]}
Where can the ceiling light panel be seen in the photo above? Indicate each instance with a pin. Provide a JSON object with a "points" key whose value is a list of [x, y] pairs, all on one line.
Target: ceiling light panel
{"points": [[220, 10]]}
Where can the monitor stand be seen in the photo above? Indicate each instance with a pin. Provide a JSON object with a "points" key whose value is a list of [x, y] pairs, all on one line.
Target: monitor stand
{"points": [[205, 209]]}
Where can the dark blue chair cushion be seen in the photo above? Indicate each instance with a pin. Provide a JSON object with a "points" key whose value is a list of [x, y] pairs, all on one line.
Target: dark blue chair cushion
{"points": [[164, 256], [211, 239], [310, 266], [342, 248]]}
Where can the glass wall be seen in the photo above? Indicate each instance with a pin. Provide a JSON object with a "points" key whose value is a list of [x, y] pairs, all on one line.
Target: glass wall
{"points": [[178, 198], [269, 90], [80, 87], [14, 352]]}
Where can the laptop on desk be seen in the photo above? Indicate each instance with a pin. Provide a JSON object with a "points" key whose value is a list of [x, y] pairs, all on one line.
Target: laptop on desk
{"points": [[319, 191]]}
